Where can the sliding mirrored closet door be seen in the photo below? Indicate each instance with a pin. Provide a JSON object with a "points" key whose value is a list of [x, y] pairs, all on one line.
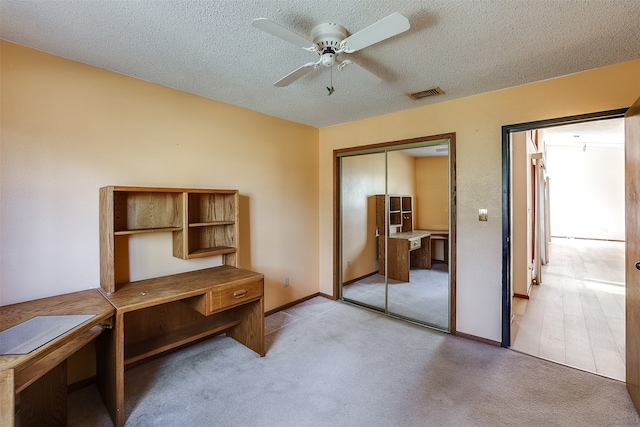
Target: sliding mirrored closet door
{"points": [[394, 218], [363, 177], [418, 280]]}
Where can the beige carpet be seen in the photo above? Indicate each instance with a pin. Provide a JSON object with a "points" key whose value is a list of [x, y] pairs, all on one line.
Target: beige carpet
{"points": [[333, 364], [425, 298]]}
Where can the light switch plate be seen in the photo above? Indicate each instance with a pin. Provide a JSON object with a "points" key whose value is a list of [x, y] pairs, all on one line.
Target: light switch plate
{"points": [[482, 215]]}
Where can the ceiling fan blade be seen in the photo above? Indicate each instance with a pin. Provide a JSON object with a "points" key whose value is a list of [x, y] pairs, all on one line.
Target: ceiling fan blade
{"points": [[279, 31], [385, 28], [360, 73], [295, 75]]}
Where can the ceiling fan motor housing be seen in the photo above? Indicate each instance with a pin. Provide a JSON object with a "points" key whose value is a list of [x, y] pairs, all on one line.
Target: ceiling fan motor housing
{"points": [[327, 37]]}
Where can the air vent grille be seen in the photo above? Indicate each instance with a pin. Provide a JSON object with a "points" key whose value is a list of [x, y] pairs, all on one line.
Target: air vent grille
{"points": [[434, 91]]}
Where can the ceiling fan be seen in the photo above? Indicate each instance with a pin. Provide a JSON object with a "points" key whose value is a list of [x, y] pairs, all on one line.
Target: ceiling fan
{"points": [[331, 40]]}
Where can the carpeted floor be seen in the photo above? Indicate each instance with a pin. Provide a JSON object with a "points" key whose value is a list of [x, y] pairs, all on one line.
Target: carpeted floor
{"points": [[425, 298], [332, 364]]}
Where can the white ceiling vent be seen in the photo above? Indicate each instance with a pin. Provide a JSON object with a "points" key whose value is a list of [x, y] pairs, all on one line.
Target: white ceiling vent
{"points": [[434, 91]]}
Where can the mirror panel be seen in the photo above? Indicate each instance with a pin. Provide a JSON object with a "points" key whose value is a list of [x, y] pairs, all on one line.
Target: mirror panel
{"points": [[361, 178], [394, 237], [418, 287]]}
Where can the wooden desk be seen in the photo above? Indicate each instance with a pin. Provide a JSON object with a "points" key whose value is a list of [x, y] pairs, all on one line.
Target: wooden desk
{"points": [[159, 314], [41, 376], [441, 235], [406, 249]]}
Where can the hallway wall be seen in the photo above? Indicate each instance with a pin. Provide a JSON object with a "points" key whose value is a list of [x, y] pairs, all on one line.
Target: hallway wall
{"points": [[586, 191]]}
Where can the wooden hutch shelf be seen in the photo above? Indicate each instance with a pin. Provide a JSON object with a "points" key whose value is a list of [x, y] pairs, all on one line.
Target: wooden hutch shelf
{"points": [[146, 230], [203, 222], [156, 345]]}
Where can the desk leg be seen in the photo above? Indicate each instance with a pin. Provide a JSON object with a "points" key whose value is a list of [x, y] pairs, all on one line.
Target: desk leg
{"points": [[446, 250], [398, 262], [381, 254], [44, 403], [7, 398], [421, 258], [110, 367], [426, 248], [250, 331]]}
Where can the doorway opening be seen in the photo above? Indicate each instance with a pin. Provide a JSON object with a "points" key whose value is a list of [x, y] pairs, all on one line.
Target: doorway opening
{"points": [[394, 229], [563, 241]]}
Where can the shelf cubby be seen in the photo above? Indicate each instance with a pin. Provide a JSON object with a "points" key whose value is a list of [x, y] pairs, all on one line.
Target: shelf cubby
{"points": [[144, 211], [164, 341], [212, 226], [406, 204], [394, 203]]}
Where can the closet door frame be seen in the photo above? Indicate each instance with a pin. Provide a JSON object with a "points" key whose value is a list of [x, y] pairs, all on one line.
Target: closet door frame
{"points": [[337, 154]]}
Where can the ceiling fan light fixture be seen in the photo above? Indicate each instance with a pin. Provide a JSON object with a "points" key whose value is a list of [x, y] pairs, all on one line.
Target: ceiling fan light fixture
{"points": [[328, 58]]}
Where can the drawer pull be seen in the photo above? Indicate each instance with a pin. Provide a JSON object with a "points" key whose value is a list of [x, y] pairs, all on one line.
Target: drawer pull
{"points": [[240, 294]]}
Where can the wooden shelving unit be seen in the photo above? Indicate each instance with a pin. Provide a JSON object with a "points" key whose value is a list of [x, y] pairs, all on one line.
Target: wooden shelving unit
{"points": [[203, 222], [151, 346], [394, 214], [399, 214], [212, 225], [160, 314]]}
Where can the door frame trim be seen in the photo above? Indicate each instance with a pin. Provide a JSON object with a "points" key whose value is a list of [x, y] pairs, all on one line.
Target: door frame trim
{"points": [[452, 211], [506, 197]]}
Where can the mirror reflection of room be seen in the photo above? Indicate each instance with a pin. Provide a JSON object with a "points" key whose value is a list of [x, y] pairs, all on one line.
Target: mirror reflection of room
{"points": [[395, 244]]}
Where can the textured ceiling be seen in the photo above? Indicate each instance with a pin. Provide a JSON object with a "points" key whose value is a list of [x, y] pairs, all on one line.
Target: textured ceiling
{"points": [[210, 48], [601, 133]]}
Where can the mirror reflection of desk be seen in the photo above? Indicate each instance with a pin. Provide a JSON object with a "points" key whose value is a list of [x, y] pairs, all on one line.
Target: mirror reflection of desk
{"points": [[443, 237], [406, 249], [411, 249]]}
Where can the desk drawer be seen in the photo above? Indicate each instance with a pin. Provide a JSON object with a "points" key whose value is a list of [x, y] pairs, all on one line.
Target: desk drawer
{"points": [[414, 243], [234, 295], [226, 296]]}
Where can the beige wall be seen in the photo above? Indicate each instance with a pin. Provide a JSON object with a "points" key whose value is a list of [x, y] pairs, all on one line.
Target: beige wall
{"points": [[586, 191], [69, 129], [477, 122], [402, 174], [432, 193]]}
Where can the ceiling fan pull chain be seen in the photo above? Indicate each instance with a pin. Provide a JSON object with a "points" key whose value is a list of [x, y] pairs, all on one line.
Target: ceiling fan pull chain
{"points": [[331, 89]]}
